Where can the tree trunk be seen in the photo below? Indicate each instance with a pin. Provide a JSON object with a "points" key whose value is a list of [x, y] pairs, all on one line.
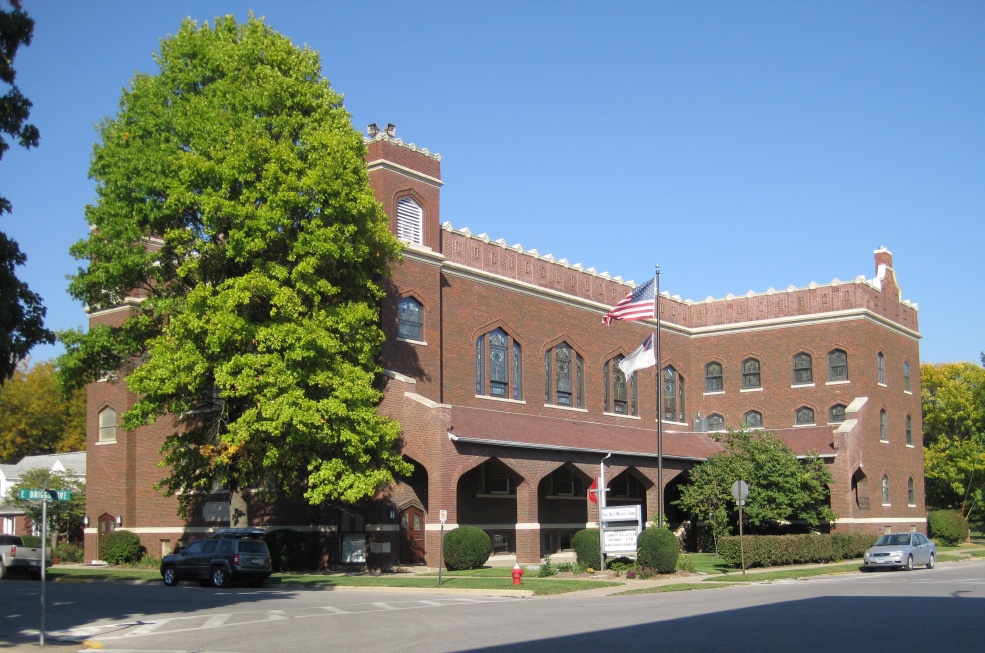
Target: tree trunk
{"points": [[239, 510]]}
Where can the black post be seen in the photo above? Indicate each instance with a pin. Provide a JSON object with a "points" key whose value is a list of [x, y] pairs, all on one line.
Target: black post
{"points": [[660, 409]]}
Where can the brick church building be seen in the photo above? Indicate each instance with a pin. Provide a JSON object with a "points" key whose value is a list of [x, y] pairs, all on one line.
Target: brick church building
{"points": [[507, 387]]}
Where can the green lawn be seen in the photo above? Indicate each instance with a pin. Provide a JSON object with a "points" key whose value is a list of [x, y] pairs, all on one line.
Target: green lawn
{"points": [[482, 579]]}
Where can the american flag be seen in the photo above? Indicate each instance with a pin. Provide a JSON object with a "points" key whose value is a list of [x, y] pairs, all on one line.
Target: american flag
{"points": [[637, 305]]}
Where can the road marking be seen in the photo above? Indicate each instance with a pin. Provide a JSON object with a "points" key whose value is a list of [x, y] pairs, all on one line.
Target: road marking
{"points": [[190, 623]]}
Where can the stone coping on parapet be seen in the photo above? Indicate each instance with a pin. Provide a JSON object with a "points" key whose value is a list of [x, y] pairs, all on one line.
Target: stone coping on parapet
{"points": [[549, 258], [397, 141]]}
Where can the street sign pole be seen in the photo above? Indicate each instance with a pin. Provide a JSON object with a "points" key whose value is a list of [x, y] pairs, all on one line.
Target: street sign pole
{"points": [[443, 517], [44, 555], [740, 490]]}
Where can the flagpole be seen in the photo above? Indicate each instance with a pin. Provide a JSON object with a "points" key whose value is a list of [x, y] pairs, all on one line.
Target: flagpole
{"points": [[660, 408]]}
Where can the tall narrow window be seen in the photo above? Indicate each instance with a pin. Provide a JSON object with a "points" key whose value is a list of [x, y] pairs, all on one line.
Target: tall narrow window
{"points": [[498, 366], [753, 419], [564, 377], [620, 391], [837, 414], [750, 374], [909, 430], [882, 427], [837, 365], [674, 395], [410, 319], [885, 489], [716, 422], [713, 377], [803, 369], [906, 376], [805, 415], [910, 493], [107, 425], [410, 217], [881, 367]]}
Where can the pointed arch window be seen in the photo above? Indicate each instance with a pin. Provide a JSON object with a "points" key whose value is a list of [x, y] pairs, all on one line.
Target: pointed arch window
{"points": [[713, 377], [837, 365], [883, 437], [881, 367], [804, 416], [716, 422], [911, 499], [410, 319], [906, 376], [803, 369], [753, 419], [674, 395], [410, 218], [750, 374], [885, 489], [909, 430], [620, 390], [564, 377], [837, 414], [498, 366], [107, 425]]}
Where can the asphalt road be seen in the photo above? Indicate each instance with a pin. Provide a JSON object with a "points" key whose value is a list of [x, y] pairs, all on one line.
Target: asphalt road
{"points": [[931, 610]]}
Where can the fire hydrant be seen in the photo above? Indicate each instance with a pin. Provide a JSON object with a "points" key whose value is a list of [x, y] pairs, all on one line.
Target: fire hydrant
{"points": [[517, 574]]}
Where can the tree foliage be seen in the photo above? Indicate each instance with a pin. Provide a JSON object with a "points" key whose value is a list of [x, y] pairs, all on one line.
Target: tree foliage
{"points": [[64, 517], [234, 202], [781, 487], [35, 419], [953, 396], [21, 310]]}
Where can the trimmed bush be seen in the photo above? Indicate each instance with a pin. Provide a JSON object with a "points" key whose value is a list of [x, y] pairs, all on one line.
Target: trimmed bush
{"points": [[292, 550], [658, 549], [120, 547], [586, 545], [948, 527], [466, 547]]}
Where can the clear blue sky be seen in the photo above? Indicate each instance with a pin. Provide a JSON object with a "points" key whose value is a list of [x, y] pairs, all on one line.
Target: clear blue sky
{"points": [[739, 145]]}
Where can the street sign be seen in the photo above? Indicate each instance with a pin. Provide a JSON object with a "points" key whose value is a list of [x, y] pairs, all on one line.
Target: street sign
{"points": [[51, 495], [442, 516], [740, 490]]}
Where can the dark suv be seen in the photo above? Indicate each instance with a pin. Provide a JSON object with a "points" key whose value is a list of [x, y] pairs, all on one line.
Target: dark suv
{"points": [[231, 554]]}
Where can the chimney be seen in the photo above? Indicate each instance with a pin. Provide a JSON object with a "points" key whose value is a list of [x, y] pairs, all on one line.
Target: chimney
{"points": [[883, 257]]}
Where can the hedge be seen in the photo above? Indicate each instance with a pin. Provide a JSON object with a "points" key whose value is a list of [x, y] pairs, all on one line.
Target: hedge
{"points": [[658, 550], [948, 527], [776, 550]]}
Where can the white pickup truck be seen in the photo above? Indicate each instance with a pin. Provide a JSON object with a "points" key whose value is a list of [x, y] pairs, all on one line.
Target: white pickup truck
{"points": [[15, 557]]}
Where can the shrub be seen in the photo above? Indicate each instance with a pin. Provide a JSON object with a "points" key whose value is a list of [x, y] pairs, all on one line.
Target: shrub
{"points": [[292, 550], [120, 547], [948, 527], [658, 548], [773, 550], [68, 552], [466, 547], [586, 545]]}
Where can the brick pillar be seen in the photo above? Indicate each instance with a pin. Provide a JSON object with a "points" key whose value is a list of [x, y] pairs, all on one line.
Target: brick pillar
{"points": [[527, 524]]}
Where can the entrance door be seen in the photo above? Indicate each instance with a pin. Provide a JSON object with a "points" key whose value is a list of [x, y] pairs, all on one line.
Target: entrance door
{"points": [[412, 536], [106, 524]]}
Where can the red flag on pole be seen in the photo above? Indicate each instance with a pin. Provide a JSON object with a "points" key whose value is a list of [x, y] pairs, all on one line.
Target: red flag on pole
{"points": [[592, 490]]}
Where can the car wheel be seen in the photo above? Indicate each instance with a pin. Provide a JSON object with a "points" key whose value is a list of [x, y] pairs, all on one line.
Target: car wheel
{"points": [[170, 576], [931, 562], [909, 564], [219, 577]]}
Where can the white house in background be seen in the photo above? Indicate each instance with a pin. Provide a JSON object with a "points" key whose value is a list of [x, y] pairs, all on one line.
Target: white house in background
{"points": [[73, 464]]}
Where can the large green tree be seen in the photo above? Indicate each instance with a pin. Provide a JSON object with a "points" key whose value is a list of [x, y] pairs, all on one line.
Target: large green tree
{"points": [[35, 418], [65, 518], [21, 310], [953, 397], [781, 486], [234, 214]]}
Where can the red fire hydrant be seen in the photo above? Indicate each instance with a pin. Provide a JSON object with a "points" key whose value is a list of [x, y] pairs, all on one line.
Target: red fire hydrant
{"points": [[517, 574]]}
